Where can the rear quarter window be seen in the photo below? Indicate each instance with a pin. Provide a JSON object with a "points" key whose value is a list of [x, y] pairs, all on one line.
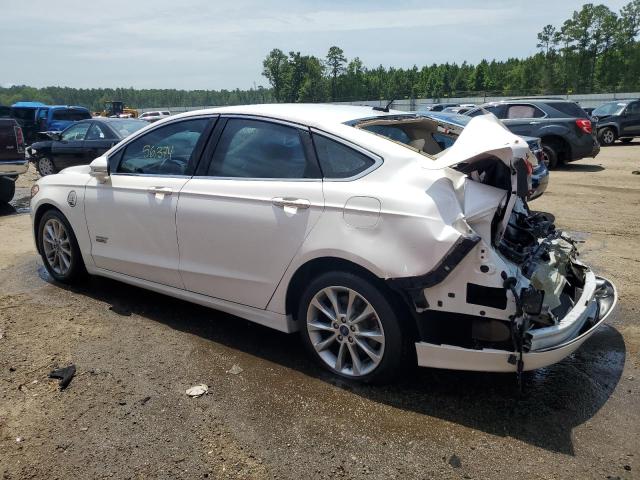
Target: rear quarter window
{"points": [[570, 109], [338, 160]]}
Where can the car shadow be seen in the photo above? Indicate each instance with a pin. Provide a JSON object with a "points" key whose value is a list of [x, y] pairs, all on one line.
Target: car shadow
{"points": [[555, 399], [580, 167]]}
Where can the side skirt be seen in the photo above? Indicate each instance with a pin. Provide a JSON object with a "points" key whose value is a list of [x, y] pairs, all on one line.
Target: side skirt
{"points": [[269, 319]]}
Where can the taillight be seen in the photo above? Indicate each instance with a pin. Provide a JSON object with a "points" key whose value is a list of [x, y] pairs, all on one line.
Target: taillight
{"points": [[584, 125], [19, 139]]}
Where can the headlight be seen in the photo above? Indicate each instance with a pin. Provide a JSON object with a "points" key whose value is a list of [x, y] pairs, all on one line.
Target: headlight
{"points": [[34, 190]]}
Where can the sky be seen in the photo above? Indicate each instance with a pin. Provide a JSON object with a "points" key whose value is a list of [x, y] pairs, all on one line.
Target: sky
{"points": [[209, 44]]}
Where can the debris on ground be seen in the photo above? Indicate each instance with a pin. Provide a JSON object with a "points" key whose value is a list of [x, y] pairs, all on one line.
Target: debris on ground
{"points": [[455, 461], [65, 375], [635, 172], [235, 370], [197, 390]]}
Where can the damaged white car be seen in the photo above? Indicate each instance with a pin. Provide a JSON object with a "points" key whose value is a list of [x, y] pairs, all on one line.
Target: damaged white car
{"points": [[304, 218]]}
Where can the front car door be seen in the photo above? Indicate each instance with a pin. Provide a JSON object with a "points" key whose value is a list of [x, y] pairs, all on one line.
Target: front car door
{"points": [[630, 120], [131, 217], [250, 206], [69, 150]]}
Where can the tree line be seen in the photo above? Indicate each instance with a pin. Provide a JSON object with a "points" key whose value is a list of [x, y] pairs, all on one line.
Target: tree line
{"points": [[595, 50]]}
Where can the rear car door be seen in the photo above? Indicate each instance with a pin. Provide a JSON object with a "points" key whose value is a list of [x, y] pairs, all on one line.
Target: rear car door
{"points": [[248, 209], [630, 120], [523, 119], [69, 150], [131, 217], [98, 140]]}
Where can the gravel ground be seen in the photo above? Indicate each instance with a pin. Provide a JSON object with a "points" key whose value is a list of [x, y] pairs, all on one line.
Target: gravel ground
{"points": [[126, 415]]}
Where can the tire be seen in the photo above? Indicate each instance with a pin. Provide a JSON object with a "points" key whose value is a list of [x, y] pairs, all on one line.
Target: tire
{"points": [[7, 189], [549, 155], [337, 342], [626, 140], [606, 136], [45, 166], [59, 249]]}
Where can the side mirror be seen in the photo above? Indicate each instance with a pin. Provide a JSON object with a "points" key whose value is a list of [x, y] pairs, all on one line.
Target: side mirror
{"points": [[99, 169]]}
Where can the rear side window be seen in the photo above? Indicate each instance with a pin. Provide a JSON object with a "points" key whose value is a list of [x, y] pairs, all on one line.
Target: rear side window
{"points": [[98, 132], [75, 132], [163, 151], [524, 111], [570, 109], [71, 115], [339, 161], [259, 149], [633, 108]]}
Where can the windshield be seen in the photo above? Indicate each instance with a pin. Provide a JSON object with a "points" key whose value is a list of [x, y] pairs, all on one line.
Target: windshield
{"points": [[124, 128], [613, 108]]}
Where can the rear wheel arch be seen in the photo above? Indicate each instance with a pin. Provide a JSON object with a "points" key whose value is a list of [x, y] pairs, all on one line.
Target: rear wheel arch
{"points": [[559, 144], [318, 266]]}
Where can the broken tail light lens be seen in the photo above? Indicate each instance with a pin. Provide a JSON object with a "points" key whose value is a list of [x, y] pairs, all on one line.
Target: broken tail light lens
{"points": [[19, 139], [584, 125]]}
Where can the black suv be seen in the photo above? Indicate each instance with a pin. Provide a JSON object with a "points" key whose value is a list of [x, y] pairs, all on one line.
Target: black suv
{"points": [[564, 128], [617, 121]]}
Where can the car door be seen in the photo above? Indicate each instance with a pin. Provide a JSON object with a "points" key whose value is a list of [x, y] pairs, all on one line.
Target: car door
{"points": [[131, 217], [69, 150], [98, 140], [630, 120], [248, 209], [523, 119]]}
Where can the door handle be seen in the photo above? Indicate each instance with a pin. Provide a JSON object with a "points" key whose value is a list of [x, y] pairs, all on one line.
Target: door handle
{"points": [[283, 202], [160, 190], [534, 123]]}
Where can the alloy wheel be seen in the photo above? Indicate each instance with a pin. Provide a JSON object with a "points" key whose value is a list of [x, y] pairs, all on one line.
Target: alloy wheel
{"points": [[345, 331], [57, 246], [45, 167], [608, 137]]}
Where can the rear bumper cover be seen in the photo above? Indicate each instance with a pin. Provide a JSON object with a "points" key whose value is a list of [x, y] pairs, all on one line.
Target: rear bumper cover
{"points": [[548, 345], [13, 167]]}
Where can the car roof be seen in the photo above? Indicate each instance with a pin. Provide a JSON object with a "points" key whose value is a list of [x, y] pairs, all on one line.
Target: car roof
{"points": [[114, 120], [71, 107], [28, 104], [312, 114]]}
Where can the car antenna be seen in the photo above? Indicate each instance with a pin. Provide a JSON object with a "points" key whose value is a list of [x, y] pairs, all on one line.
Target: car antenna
{"points": [[384, 109]]}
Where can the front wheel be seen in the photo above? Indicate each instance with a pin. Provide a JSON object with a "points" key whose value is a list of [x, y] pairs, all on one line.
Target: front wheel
{"points": [[607, 136], [59, 248], [351, 328], [45, 166]]}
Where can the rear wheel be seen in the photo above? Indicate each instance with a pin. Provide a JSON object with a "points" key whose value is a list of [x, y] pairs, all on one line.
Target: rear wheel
{"points": [[59, 248], [626, 140], [350, 327], [607, 136], [549, 155], [46, 166], [7, 189]]}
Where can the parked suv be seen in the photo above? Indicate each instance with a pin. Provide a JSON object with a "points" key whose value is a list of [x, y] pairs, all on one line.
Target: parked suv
{"points": [[617, 121], [564, 127], [12, 158]]}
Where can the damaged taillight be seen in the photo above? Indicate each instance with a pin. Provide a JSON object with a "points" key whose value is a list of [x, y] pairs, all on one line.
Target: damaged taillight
{"points": [[19, 139], [584, 125]]}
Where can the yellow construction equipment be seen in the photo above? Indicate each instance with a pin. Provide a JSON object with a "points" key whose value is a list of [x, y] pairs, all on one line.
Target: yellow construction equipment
{"points": [[117, 109]]}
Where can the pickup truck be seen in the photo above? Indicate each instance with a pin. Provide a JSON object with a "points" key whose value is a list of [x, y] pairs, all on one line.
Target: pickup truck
{"points": [[12, 157]]}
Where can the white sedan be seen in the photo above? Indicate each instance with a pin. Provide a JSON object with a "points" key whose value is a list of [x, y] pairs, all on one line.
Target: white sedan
{"points": [[354, 226]]}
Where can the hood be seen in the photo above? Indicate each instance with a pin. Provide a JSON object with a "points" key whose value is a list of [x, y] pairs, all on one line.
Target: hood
{"points": [[484, 136]]}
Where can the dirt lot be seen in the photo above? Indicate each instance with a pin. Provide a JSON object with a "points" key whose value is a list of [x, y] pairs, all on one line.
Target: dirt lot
{"points": [[126, 415]]}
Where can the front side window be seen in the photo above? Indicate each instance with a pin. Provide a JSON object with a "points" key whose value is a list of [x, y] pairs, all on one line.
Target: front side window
{"points": [[163, 151], [259, 149], [524, 111], [75, 132], [633, 108], [338, 160]]}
